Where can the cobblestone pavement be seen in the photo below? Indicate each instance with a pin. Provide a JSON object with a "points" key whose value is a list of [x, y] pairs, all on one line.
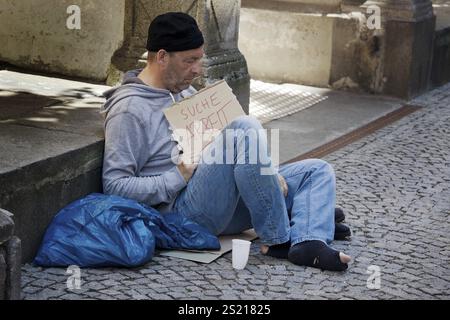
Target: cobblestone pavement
{"points": [[395, 188]]}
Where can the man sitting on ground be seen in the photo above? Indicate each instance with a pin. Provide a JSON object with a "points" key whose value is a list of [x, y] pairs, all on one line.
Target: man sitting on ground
{"points": [[293, 213]]}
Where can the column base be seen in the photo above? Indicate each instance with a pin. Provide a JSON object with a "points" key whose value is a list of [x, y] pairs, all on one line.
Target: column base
{"points": [[408, 57], [231, 66]]}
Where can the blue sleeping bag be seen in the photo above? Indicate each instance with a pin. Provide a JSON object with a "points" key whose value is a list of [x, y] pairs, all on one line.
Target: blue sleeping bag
{"points": [[110, 231]]}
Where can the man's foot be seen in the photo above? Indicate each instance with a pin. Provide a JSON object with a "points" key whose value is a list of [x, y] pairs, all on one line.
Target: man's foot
{"points": [[341, 231], [339, 215], [279, 251], [317, 254]]}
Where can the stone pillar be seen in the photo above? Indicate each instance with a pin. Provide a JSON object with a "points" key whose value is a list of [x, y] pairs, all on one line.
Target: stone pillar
{"points": [[409, 27], [219, 22], [10, 259]]}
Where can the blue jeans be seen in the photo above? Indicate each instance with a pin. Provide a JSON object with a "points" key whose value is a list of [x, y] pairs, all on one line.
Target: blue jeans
{"points": [[231, 198]]}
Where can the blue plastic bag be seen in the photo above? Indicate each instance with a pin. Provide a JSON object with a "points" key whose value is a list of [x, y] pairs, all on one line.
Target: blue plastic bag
{"points": [[110, 231]]}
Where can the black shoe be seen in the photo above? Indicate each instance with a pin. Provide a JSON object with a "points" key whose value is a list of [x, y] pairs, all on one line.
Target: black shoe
{"points": [[341, 231], [339, 215]]}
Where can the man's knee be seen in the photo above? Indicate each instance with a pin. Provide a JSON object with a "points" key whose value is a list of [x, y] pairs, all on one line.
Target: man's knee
{"points": [[320, 165], [325, 167], [246, 122]]}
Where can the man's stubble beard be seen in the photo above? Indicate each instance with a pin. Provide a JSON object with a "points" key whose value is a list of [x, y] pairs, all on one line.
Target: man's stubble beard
{"points": [[174, 84]]}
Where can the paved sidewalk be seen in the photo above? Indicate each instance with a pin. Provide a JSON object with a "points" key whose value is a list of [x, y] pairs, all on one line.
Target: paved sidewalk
{"points": [[394, 186]]}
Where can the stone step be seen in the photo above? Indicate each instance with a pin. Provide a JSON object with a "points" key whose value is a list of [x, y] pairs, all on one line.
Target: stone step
{"points": [[51, 147]]}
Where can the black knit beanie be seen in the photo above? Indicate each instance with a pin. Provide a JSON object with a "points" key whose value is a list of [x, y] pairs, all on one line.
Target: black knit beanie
{"points": [[174, 31]]}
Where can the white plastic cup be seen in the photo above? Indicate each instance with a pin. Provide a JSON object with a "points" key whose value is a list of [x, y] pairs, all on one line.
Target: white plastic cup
{"points": [[240, 253]]}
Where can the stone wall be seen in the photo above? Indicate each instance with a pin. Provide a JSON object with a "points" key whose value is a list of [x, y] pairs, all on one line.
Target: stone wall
{"points": [[440, 73], [10, 259], [330, 44], [442, 12], [300, 41], [287, 47], [35, 35], [113, 36]]}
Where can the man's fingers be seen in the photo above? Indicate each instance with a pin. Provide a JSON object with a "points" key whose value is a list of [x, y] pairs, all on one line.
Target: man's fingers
{"points": [[285, 188], [283, 185]]}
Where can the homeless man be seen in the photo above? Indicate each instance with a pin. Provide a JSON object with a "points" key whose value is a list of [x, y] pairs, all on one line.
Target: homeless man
{"points": [[292, 212]]}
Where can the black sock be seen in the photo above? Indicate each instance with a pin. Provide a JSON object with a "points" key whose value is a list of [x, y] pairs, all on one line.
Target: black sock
{"points": [[341, 231], [316, 254], [339, 215], [279, 251]]}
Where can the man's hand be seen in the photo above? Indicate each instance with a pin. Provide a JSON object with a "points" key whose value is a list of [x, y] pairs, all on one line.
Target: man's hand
{"points": [[283, 184], [187, 170]]}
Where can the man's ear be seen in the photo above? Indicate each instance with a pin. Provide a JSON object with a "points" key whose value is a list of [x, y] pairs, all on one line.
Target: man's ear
{"points": [[162, 57]]}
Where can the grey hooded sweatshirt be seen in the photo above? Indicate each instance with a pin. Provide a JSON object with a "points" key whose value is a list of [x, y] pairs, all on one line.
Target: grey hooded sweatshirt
{"points": [[138, 144]]}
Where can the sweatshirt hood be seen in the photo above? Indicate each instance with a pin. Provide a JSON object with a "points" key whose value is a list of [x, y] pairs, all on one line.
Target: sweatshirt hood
{"points": [[133, 86]]}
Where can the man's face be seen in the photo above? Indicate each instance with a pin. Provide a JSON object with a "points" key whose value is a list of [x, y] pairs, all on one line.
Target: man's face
{"points": [[182, 68]]}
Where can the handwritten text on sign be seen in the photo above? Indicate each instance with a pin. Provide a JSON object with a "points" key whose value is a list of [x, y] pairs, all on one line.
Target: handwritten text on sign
{"points": [[209, 110]]}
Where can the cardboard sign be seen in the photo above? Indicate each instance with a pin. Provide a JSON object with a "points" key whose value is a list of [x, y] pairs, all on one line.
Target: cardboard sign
{"points": [[207, 256], [197, 120]]}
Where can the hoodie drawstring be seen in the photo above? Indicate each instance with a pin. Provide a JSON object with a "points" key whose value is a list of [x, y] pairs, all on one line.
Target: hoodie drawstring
{"points": [[173, 98]]}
